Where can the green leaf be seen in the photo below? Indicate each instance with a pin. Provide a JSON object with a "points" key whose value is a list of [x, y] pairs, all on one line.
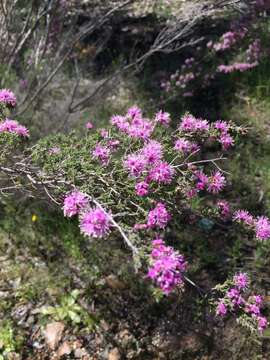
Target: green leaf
{"points": [[74, 317]]}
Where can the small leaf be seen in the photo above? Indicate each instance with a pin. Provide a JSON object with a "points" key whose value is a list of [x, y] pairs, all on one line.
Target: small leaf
{"points": [[74, 317]]}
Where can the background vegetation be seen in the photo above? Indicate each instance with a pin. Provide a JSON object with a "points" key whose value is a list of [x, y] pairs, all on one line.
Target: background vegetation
{"points": [[51, 274]]}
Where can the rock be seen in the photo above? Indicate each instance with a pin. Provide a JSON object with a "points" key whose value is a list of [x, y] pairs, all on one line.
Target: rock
{"points": [[104, 325], [114, 354], [81, 354], [4, 294], [13, 356], [53, 334], [64, 349], [125, 337], [114, 283]]}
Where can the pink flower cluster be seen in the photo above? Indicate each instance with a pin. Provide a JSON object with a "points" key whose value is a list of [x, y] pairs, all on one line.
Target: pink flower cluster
{"points": [[94, 222], [162, 173], [260, 225], [234, 301], [243, 216], [227, 40], [8, 98], [224, 138], [158, 217], [254, 51], [162, 118], [102, 153], [190, 124], [198, 72], [13, 127], [213, 183], [148, 163], [227, 69], [167, 267], [182, 78], [224, 209], [133, 124], [142, 188], [74, 203], [262, 228], [185, 146]]}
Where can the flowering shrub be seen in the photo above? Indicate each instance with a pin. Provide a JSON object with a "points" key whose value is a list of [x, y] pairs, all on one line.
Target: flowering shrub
{"points": [[237, 300], [261, 225], [166, 267], [7, 98], [10, 130], [139, 178], [238, 50]]}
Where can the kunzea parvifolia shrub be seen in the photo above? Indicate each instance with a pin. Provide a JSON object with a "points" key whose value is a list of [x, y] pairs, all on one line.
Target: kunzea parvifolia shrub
{"points": [[138, 179]]}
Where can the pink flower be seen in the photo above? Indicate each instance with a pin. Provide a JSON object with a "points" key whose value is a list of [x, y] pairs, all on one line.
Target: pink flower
{"points": [[257, 299], [14, 127], [162, 173], [158, 217], [241, 281], [152, 152], [8, 98], [216, 182], [202, 180], [235, 297], [133, 124], [262, 226], [113, 144], [142, 188], [227, 40], [254, 51], [104, 133], [162, 118], [243, 216], [135, 164], [89, 125], [236, 67], [102, 153], [167, 267], [185, 146], [222, 126], [262, 323], [134, 112], [140, 128], [253, 309], [226, 141], [191, 193], [54, 150], [95, 223], [224, 208], [120, 122], [190, 124], [74, 202], [221, 309], [139, 227]]}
